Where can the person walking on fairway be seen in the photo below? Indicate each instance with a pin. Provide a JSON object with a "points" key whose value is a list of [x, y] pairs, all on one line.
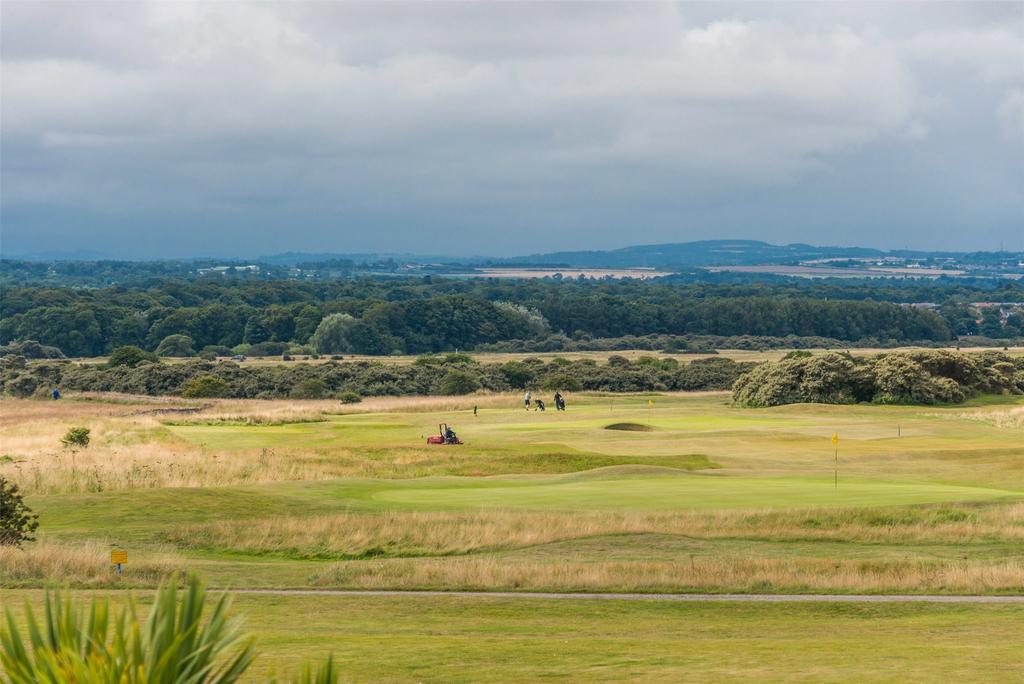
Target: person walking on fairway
{"points": [[526, 400], [559, 402]]}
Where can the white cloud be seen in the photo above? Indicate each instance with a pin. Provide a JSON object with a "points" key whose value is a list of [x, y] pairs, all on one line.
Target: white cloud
{"points": [[450, 105]]}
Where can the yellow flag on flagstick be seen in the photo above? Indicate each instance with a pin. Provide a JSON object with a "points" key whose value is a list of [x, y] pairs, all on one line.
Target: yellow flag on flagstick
{"points": [[835, 438], [650, 403]]}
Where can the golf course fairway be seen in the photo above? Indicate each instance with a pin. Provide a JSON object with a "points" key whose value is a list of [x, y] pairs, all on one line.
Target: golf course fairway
{"points": [[666, 492]]}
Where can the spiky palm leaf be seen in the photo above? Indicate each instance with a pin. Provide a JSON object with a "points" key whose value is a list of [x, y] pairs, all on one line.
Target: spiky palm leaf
{"points": [[175, 647]]}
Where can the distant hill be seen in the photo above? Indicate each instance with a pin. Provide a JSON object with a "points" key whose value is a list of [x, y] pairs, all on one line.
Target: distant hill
{"points": [[669, 256], [691, 254]]}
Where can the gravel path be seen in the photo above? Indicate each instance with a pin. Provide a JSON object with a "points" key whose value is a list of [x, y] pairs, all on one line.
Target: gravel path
{"points": [[761, 598]]}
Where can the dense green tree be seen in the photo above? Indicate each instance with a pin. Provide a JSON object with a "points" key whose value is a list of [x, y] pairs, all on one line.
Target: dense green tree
{"points": [[130, 356], [17, 521], [306, 322], [176, 345], [991, 322], [332, 334], [435, 315]]}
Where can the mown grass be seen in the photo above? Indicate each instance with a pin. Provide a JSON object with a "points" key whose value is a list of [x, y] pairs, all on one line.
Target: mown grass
{"points": [[471, 639]]}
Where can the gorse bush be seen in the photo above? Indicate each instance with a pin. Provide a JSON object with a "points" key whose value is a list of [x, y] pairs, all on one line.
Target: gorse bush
{"points": [[314, 388], [459, 382], [76, 438], [451, 374], [30, 349], [174, 646], [206, 386], [919, 377], [130, 356]]}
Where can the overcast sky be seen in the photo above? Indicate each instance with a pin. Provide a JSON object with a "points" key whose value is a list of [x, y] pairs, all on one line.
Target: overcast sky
{"points": [[172, 129]]}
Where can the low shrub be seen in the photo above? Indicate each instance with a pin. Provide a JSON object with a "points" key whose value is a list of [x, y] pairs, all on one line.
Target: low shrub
{"points": [[206, 386], [76, 438]]}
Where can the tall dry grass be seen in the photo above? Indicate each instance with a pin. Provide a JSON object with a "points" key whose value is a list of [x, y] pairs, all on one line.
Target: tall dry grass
{"points": [[697, 575], [82, 565], [137, 452], [358, 535], [1010, 419], [131, 449]]}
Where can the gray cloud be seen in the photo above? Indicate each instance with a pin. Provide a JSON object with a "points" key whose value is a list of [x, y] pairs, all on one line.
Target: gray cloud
{"points": [[237, 129]]}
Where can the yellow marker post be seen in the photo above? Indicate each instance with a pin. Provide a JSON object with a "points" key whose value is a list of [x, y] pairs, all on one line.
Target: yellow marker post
{"points": [[835, 443], [118, 558], [650, 405]]}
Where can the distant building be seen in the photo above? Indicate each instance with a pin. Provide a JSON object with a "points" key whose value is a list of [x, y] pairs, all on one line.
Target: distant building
{"points": [[224, 270]]}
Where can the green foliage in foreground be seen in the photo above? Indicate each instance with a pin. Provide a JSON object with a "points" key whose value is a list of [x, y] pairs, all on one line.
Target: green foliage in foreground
{"points": [[78, 644], [920, 377]]}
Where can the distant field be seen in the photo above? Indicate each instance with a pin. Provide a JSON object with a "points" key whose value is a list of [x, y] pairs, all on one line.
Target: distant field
{"points": [[835, 272], [640, 273]]}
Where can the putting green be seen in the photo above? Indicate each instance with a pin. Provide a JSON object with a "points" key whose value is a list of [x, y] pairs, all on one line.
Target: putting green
{"points": [[680, 492]]}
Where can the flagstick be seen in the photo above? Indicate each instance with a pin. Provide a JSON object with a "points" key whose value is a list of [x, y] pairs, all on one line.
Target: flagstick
{"points": [[837, 468]]}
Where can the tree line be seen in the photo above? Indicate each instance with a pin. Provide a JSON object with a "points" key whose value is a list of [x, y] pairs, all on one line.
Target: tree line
{"points": [[415, 316]]}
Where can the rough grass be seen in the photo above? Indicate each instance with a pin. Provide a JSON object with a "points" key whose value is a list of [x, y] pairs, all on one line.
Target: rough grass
{"points": [[83, 565], [948, 548], [698, 574], [1009, 419], [226, 442], [395, 534]]}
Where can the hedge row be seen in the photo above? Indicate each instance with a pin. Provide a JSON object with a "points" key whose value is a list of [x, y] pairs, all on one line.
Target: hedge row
{"points": [[454, 374]]}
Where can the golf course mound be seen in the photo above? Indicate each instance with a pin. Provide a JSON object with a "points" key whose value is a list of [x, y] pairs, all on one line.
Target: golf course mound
{"points": [[638, 470], [629, 427]]}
